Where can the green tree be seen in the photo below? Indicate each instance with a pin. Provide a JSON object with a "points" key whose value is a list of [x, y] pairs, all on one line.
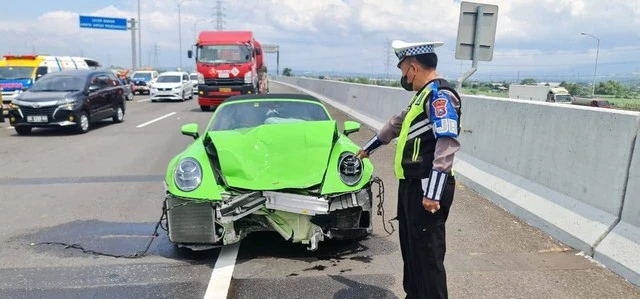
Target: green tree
{"points": [[528, 81], [287, 72]]}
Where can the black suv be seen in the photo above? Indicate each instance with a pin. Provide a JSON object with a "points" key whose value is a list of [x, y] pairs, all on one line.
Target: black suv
{"points": [[74, 98]]}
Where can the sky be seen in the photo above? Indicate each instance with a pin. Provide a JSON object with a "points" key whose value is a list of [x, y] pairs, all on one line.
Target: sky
{"points": [[537, 39]]}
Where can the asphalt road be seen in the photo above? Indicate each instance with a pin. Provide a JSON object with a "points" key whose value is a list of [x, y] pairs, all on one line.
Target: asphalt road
{"points": [[103, 190]]}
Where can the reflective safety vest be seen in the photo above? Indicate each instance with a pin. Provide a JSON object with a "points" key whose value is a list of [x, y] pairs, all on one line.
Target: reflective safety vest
{"points": [[416, 141]]}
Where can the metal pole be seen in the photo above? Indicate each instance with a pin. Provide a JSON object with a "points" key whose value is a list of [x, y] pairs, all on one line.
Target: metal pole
{"points": [[180, 34], [133, 44], [476, 49], [139, 37], [595, 70], [593, 88], [278, 61]]}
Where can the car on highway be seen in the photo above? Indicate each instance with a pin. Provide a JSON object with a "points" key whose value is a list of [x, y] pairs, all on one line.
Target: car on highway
{"points": [[270, 162], [75, 98], [172, 86], [143, 80], [592, 102], [196, 78]]}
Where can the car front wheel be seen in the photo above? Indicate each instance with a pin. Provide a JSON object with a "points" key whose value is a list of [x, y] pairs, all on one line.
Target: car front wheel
{"points": [[23, 130], [83, 124]]}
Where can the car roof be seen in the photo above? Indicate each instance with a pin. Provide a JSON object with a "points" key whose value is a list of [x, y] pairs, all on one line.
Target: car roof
{"points": [[271, 96], [173, 73], [83, 72]]}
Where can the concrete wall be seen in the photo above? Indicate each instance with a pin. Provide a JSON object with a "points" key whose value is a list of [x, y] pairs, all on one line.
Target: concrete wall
{"points": [[564, 169]]}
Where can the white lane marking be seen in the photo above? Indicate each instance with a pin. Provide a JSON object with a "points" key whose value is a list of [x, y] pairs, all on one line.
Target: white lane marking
{"points": [[9, 128], [222, 272], [144, 100], [155, 120]]}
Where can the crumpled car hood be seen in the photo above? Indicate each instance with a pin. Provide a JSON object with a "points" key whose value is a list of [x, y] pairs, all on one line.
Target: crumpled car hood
{"points": [[275, 156]]}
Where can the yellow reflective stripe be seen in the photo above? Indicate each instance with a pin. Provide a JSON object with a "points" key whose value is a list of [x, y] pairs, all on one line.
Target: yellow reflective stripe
{"points": [[414, 111], [416, 149]]}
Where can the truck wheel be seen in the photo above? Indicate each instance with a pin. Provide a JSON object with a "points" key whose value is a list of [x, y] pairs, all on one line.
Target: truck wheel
{"points": [[205, 108]]}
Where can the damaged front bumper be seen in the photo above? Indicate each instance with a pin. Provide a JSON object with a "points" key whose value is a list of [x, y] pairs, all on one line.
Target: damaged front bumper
{"points": [[298, 218]]}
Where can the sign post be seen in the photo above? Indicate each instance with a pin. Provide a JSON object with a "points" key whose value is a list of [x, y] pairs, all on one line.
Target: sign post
{"points": [[476, 35], [107, 23], [273, 49]]}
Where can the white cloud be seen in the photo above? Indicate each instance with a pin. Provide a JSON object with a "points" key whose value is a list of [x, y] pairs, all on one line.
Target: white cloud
{"points": [[533, 36]]}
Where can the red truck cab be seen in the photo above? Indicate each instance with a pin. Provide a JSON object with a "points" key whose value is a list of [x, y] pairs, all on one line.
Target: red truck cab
{"points": [[230, 62]]}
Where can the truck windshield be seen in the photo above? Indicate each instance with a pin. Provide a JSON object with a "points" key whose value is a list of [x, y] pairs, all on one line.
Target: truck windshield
{"points": [[16, 72], [224, 54], [563, 98]]}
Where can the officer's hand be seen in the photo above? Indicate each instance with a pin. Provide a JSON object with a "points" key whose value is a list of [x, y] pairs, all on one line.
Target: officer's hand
{"points": [[362, 154], [430, 205]]}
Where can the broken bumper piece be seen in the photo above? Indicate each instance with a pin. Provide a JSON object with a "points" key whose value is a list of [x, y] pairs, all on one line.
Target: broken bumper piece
{"points": [[299, 218]]}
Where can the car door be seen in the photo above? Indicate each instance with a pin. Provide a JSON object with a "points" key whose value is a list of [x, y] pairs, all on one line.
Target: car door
{"points": [[96, 98], [114, 94]]}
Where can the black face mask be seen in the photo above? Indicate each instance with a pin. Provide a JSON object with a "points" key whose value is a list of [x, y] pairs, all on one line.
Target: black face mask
{"points": [[406, 85]]}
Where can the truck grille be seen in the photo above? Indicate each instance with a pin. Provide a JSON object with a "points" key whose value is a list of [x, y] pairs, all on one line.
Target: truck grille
{"points": [[37, 111], [191, 223], [224, 81], [140, 83]]}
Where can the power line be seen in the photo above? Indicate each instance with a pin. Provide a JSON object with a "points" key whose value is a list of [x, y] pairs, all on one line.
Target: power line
{"points": [[219, 15]]}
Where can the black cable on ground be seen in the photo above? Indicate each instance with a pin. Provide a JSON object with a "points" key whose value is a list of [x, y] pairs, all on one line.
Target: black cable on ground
{"points": [[136, 255], [380, 197]]}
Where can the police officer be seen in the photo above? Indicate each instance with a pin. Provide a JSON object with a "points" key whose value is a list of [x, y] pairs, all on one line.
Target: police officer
{"points": [[427, 132]]}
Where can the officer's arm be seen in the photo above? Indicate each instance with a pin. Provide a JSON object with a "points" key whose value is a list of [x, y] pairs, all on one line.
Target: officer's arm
{"points": [[442, 112], [389, 131]]}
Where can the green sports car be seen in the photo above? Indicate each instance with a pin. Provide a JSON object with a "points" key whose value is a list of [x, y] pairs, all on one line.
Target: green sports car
{"points": [[268, 162]]}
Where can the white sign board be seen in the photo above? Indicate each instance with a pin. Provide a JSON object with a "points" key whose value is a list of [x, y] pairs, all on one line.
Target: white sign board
{"points": [[270, 48], [473, 29]]}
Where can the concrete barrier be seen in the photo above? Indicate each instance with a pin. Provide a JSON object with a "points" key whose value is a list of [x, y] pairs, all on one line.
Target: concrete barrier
{"points": [[562, 168], [620, 249]]}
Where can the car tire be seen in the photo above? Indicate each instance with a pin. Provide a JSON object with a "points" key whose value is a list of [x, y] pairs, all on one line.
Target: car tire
{"points": [[23, 130], [119, 116], [205, 108], [84, 123], [130, 97]]}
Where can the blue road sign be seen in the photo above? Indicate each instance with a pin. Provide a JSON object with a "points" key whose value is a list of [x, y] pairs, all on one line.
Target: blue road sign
{"points": [[103, 23]]}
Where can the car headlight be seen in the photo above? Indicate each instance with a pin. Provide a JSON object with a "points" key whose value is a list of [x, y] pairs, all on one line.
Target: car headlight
{"points": [[188, 174], [247, 77], [350, 169], [66, 101]]}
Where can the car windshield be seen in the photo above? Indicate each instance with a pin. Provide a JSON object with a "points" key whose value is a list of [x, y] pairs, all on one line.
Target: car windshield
{"points": [[168, 79], [249, 114], [141, 76], [193, 77], [59, 83], [16, 72], [224, 54]]}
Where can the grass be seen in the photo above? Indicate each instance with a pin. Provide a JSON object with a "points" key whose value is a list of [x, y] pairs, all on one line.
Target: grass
{"points": [[624, 104]]}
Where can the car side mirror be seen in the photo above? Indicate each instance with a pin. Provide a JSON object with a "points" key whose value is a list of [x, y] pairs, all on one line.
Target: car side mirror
{"points": [[351, 127], [190, 54], [93, 87], [190, 130]]}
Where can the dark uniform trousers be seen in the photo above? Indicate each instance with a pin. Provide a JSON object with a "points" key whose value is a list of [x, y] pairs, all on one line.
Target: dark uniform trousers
{"points": [[422, 240]]}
